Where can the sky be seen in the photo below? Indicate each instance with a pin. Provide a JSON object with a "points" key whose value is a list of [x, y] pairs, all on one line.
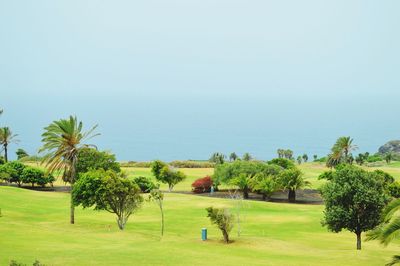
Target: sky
{"points": [[183, 79]]}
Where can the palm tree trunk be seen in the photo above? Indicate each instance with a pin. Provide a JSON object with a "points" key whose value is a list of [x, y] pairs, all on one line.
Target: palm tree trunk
{"points": [[72, 212], [5, 153], [292, 195]]}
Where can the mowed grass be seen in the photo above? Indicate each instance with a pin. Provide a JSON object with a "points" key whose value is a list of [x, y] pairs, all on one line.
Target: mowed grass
{"points": [[35, 226]]}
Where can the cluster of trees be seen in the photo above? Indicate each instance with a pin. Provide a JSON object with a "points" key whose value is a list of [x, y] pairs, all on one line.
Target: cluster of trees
{"points": [[261, 177], [16, 172], [219, 158]]}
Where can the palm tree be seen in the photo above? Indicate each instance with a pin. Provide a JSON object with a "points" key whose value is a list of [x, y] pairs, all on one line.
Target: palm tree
{"points": [[62, 140], [292, 180], [389, 229], [345, 146], [388, 157], [233, 156], [7, 137]]}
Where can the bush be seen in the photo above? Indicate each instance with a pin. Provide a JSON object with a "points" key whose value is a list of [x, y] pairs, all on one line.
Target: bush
{"points": [[282, 162], [374, 158], [202, 185], [394, 189], [12, 172], [136, 164], [144, 183], [36, 176], [192, 164]]}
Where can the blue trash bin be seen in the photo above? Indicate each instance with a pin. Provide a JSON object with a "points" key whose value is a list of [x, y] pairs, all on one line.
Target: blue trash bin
{"points": [[204, 234]]}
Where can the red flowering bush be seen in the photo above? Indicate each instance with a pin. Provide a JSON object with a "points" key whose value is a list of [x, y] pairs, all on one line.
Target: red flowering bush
{"points": [[202, 185]]}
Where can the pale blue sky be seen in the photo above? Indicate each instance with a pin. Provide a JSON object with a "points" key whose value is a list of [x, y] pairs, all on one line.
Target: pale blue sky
{"points": [[182, 79]]}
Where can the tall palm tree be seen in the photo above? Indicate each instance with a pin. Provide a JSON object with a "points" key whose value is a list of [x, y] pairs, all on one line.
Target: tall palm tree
{"points": [[389, 229], [345, 146], [6, 137], [62, 140]]}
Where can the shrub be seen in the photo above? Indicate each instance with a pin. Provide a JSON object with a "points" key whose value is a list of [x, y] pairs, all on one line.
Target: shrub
{"points": [[282, 162], [192, 164], [394, 189], [374, 158], [202, 185], [32, 175], [145, 184], [12, 172], [223, 219]]}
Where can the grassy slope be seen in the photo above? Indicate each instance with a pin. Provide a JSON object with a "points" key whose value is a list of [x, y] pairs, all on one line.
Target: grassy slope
{"points": [[35, 226]]}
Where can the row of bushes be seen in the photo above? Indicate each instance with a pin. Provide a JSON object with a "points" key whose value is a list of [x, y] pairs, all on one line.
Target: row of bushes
{"points": [[176, 164], [17, 172]]}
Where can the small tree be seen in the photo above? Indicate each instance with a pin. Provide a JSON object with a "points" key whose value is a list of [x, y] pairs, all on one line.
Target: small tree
{"points": [[388, 157], [247, 157], [110, 191], [315, 157], [217, 158], [32, 175], [291, 179], [145, 184], [354, 199], [21, 154], [202, 185], [171, 177], [299, 159], [158, 197], [243, 182], [305, 157], [223, 219], [233, 156], [264, 184]]}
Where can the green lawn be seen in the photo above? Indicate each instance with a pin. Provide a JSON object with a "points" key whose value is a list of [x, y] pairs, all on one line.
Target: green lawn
{"points": [[35, 226]]}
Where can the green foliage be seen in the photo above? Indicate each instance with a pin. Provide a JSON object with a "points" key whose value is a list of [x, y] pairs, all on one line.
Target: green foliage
{"points": [[287, 154], [36, 176], [247, 157], [291, 180], [305, 157], [388, 157], [156, 167], [171, 177], [92, 159], [243, 182], [2, 160], [264, 184], [217, 158], [299, 159], [354, 199], [394, 189], [233, 156], [12, 172], [144, 183], [223, 219], [282, 162], [21, 153], [110, 191], [341, 152], [192, 164]]}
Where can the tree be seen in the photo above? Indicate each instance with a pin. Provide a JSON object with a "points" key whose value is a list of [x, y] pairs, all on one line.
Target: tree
{"points": [[281, 153], [6, 138], [32, 175], [354, 199], [110, 191], [389, 228], [282, 162], [223, 219], [167, 175], [291, 180], [92, 159], [233, 156], [264, 184], [341, 152], [315, 157], [145, 184], [21, 153], [217, 158], [299, 159], [247, 157], [158, 197], [243, 182], [388, 157], [62, 140], [305, 157], [288, 154], [12, 172], [360, 159]]}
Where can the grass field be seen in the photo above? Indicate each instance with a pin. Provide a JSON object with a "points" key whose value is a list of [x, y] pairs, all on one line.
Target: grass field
{"points": [[35, 226]]}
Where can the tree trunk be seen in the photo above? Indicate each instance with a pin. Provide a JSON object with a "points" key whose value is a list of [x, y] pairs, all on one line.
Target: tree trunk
{"points": [[358, 241], [226, 236], [264, 197], [162, 221], [33, 185], [292, 195], [72, 213], [121, 222], [5, 153], [245, 193]]}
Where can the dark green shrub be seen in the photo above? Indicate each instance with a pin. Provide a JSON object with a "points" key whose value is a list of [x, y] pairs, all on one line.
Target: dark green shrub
{"points": [[32, 176], [282, 162], [145, 184], [12, 172], [394, 189]]}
